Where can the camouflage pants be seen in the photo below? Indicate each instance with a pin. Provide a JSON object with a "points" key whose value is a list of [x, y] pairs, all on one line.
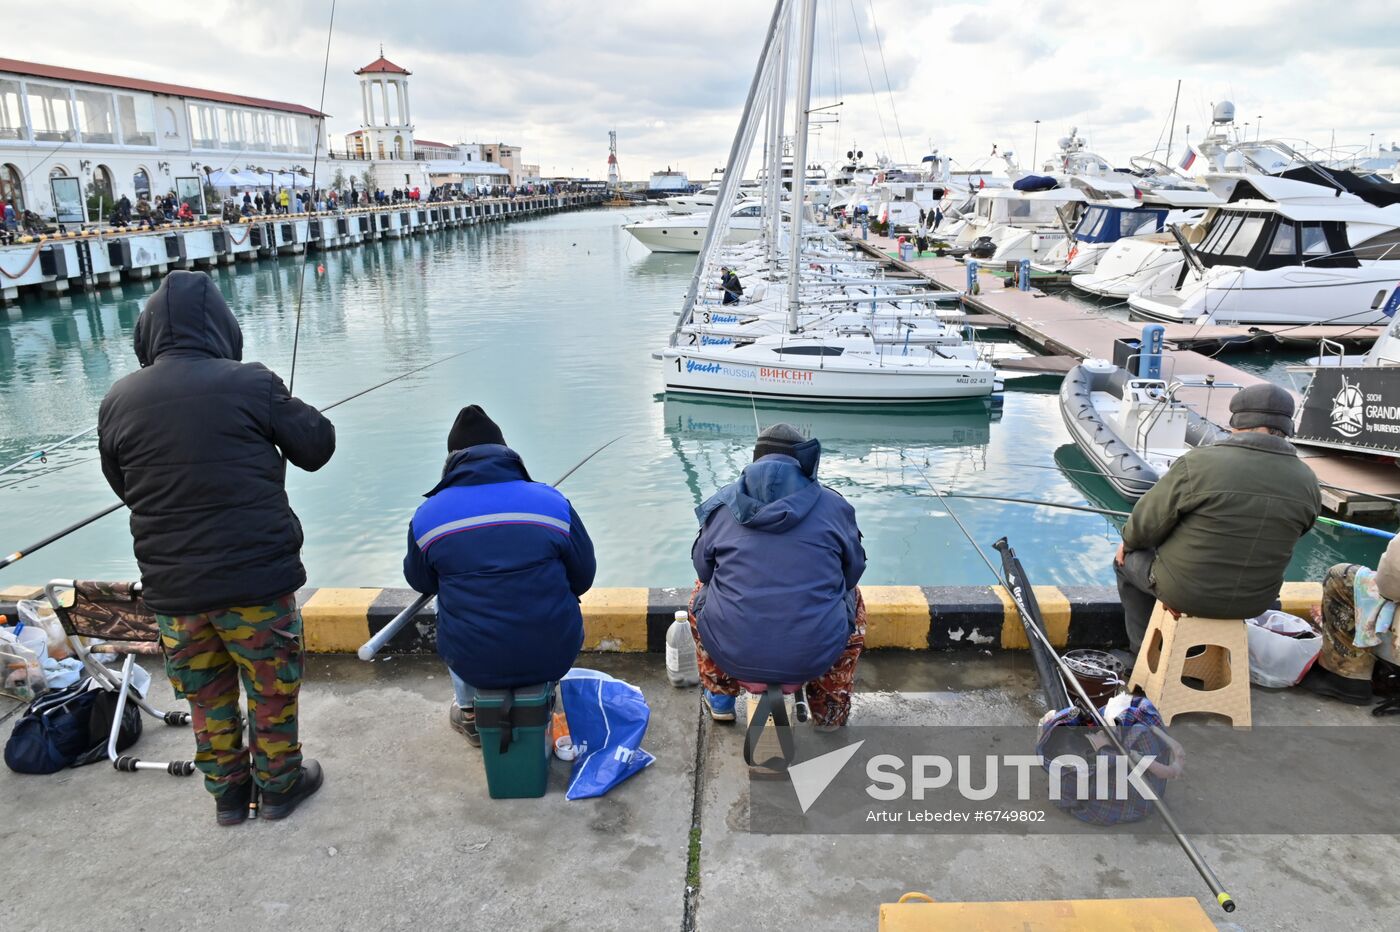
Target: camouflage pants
{"points": [[828, 696], [1340, 655], [205, 656]]}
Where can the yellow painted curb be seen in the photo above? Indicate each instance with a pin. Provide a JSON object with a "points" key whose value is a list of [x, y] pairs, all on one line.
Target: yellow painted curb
{"points": [[1300, 598], [615, 619], [1054, 611], [896, 616], [337, 620]]}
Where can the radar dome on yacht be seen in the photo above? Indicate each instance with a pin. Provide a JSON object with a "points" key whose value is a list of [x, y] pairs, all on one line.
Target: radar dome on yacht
{"points": [[1224, 112], [1065, 141], [1234, 161]]}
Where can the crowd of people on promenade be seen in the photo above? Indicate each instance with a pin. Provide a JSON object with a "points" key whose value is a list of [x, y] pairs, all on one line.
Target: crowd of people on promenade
{"points": [[151, 212]]}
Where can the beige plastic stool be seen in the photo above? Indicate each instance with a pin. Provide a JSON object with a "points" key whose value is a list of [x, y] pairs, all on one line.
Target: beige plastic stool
{"points": [[1223, 667]]}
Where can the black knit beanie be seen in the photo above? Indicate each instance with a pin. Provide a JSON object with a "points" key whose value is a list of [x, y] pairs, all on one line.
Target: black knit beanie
{"points": [[473, 427], [780, 438]]}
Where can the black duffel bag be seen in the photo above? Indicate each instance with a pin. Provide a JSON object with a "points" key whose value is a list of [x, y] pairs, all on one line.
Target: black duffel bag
{"points": [[69, 728]]}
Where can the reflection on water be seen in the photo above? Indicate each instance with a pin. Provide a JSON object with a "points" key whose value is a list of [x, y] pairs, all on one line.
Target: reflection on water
{"points": [[559, 317]]}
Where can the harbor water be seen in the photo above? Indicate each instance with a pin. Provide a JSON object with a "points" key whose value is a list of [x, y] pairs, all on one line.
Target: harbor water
{"points": [[559, 317]]}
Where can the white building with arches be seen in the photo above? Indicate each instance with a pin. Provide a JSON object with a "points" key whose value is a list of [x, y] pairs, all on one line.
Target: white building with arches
{"points": [[129, 136]]}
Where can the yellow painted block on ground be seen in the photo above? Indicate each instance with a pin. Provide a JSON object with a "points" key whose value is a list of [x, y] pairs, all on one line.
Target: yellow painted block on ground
{"points": [[1166, 914], [337, 620], [615, 619], [895, 616], [1299, 598], [1054, 611]]}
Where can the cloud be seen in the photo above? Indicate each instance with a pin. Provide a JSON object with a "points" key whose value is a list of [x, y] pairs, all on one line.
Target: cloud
{"points": [[671, 75], [976, 29]]}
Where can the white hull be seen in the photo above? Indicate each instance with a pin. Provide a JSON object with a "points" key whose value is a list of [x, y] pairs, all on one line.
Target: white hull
{"points": [[686, 235], [1293, 295], [735, 373]]}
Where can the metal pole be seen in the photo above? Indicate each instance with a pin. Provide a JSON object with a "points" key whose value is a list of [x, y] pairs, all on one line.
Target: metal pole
{"points": [[799, 155], [728, 184], [778, 97]]}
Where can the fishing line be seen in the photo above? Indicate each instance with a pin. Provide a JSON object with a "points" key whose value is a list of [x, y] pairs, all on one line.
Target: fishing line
{"points": [[315, 159], [21, 554], [1226, 902]]}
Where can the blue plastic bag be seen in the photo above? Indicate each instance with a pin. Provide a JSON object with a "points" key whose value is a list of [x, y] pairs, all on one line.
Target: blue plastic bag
{"points": [[607, 720]]}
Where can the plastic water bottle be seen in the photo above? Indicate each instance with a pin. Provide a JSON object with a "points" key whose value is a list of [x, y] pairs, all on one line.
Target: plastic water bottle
{"points": [[681, 666]]}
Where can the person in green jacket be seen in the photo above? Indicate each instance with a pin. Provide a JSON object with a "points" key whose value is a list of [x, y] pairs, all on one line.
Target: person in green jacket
{"points": [[1213, 537]]}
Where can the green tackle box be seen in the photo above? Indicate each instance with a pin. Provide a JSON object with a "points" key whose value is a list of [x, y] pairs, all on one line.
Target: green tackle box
{"points": [[514, 727]]}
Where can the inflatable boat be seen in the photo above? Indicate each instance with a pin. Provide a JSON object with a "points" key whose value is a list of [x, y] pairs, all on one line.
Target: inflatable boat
{"points": [[1130, 428]]}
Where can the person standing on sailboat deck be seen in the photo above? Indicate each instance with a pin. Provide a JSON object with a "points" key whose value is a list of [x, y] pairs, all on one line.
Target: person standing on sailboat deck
{"points": [[1214, 536], [508, 559], [729, 281], [779, 560]]}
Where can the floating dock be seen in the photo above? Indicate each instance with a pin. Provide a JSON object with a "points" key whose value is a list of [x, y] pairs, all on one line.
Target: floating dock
{"points": [[58, 263], [1063, 329]]}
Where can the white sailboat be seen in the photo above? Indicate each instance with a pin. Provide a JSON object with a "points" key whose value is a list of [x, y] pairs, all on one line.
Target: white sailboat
{"points": [[809, 363]]}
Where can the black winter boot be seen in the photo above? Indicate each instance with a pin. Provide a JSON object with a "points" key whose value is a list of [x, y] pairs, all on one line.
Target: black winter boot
{"points": [[281, 805], [1326, 683]]}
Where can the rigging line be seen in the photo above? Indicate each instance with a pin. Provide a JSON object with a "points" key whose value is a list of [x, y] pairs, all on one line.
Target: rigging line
{"points": [[315, 159], [874, 96], [889, 89]]}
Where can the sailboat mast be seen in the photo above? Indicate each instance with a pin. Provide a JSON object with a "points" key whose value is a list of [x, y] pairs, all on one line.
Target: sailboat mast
{"points": [[738, 156], [799, 155], [778, 97], [1171, 133]]}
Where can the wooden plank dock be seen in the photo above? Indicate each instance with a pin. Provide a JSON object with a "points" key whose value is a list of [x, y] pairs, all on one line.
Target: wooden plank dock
{"points": [[1062, 329]]}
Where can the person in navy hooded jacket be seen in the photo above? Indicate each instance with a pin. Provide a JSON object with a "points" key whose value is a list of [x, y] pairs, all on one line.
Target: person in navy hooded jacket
{"points": [[779, 556], [508, 559]]}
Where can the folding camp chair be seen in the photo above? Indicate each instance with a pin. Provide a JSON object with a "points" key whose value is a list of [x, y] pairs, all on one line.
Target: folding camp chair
{"points": [[115, 614]]}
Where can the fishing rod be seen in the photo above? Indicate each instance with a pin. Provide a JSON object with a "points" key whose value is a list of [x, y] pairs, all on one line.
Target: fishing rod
{"points": [[385, 634], [1093, 472], [1321, 519], [42, 455], [21, 554], [1227, 903], [315, 158]]}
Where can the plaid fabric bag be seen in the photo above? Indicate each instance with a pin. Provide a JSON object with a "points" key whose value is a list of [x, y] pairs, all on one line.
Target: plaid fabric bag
{"points": [[1067, 731]]}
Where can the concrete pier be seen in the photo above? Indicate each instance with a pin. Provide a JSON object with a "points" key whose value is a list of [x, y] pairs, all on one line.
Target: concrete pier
{"points": [[53, 264], [404, 836]]}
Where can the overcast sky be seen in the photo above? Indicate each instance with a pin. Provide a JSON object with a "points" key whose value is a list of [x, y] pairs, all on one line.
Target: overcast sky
{"points": [[670, 75]]}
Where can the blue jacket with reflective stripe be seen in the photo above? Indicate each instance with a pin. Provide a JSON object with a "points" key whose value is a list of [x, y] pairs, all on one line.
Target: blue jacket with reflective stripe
{"points": [[508, 559]]}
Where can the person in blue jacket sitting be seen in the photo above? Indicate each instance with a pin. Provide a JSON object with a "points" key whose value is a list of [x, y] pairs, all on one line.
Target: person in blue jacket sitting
{"points": [[779, 557], [508, 559]]}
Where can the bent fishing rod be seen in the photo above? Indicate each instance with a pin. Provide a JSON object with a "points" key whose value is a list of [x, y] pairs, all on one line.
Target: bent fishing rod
{"points": [[1227, 903], [1108, 512], [386, 634], [79, 525]]}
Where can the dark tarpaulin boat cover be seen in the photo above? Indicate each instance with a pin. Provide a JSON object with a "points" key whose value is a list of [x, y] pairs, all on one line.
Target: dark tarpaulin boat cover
{"points": [[1035, 183], [1373, 192]]}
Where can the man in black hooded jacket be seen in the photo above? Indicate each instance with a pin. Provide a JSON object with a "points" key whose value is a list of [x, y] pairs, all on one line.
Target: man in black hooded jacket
{"points": [[194, 444]]}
